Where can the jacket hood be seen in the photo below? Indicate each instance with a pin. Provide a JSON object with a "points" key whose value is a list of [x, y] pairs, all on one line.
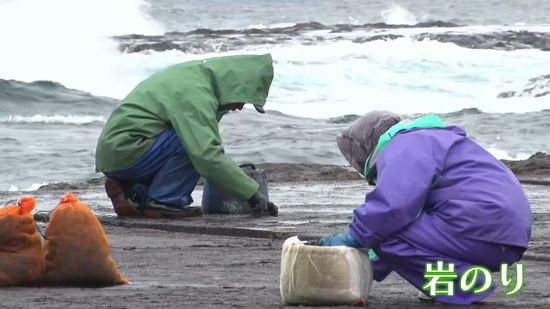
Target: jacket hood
{"points": [[243, 78], [358, 141]]}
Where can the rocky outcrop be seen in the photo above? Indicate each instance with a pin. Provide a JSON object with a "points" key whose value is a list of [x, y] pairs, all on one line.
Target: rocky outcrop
{"points": [[208, 40], [504, 40], [537, 165], [536, 87], [285, 172]]}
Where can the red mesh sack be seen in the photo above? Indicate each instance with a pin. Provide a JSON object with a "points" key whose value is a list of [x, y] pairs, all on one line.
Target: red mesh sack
{"points": [[76, 250], [21, 261]]}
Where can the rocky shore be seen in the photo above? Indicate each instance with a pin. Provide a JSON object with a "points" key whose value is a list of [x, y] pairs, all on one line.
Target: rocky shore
{"points": [[535, 169], [223, 261], [536, 87], [208, 40]]}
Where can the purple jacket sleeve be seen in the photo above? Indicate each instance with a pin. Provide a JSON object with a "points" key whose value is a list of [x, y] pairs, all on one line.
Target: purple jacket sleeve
{"points": [[406, 170]]}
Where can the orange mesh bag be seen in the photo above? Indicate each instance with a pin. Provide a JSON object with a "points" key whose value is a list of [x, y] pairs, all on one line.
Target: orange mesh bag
{"points": [[21, 260], [76, 250]]}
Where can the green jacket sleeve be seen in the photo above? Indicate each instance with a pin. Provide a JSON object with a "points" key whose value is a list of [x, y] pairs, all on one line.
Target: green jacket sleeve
{"points": [[196, 125]]}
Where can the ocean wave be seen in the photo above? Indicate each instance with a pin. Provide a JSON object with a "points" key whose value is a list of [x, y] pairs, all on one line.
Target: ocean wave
{"points": [[54, 119], [338, 78], [43, 96], [58, 153], [73, 37], [33, 187], [38, 88], [398, 15], [277, 25], [266, 13]]}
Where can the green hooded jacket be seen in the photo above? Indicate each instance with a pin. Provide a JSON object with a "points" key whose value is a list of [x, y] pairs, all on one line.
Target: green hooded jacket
{"points": [[187, 97]]}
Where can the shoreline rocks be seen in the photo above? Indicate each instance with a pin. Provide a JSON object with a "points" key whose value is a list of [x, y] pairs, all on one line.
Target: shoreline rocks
{"points": [[312, 33], [535, 167], [536, 87]]}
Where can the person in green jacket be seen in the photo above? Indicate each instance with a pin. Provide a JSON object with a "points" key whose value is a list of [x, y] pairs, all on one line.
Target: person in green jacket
{"points": [[164, 136]]}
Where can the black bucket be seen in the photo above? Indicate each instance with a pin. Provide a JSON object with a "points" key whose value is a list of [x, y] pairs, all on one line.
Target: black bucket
{"points": [[217, 201]]}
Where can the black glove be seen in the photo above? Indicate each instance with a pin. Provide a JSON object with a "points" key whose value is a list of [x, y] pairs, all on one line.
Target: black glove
{"points": [[260, 205]]}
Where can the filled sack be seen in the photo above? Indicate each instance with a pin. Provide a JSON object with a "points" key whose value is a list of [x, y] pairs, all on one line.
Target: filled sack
{"points": [[21, 260], [76, 249], [313, 275]]}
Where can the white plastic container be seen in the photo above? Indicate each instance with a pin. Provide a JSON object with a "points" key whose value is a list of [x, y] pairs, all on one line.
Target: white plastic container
{"points": [[313, 275]]}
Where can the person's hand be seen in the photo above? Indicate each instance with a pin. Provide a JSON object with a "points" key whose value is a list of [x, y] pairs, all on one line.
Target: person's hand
{"points": [[260, 205], [342, 239], [272, 209]]}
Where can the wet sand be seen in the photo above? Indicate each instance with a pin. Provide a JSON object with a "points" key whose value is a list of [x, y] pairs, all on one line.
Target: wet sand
{"points": [[222, 261]]}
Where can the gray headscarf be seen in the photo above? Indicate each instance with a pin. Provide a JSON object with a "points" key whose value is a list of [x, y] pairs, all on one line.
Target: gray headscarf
{"points": [[358, 141]]}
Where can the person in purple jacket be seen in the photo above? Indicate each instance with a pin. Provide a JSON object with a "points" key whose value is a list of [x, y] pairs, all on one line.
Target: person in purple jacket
{"points": [[438, 196]]}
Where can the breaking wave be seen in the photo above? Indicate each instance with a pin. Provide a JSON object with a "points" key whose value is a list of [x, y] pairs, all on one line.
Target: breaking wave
{"points": [[54, 119]]}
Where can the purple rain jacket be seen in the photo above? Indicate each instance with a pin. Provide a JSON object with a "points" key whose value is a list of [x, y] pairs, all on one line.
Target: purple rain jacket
{"points": [[443, 173]]}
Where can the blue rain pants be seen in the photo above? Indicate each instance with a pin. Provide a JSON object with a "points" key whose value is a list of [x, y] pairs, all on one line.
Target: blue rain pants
{"points": [[164, 173]]}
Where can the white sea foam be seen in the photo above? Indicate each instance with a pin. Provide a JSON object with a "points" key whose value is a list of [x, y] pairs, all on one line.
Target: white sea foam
{"points": [[257, 26], [398, 15], [53, 119], [67, 41], [272, 26], [324, 80], [338, 78], [33, 187], [504, 155]]}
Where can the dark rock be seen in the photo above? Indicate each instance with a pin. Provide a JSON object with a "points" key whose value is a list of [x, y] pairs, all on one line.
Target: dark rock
{"points": [[156, 46], [537, 165], [465, 111], [437, 23], [536, 87], [344, 119], [505, 95], [342, 28], [209, 32], [502, 40], [302, 27], [286, 172], [100, 181], [384, 37], [64, 186], [210, 40]]}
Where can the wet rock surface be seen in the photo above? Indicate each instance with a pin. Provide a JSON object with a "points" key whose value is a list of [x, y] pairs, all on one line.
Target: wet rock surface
{"points": [[536, 166], [536, 87], [282, 172], [207, 40], [505, 40], [222, 261], [174, 270]]}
